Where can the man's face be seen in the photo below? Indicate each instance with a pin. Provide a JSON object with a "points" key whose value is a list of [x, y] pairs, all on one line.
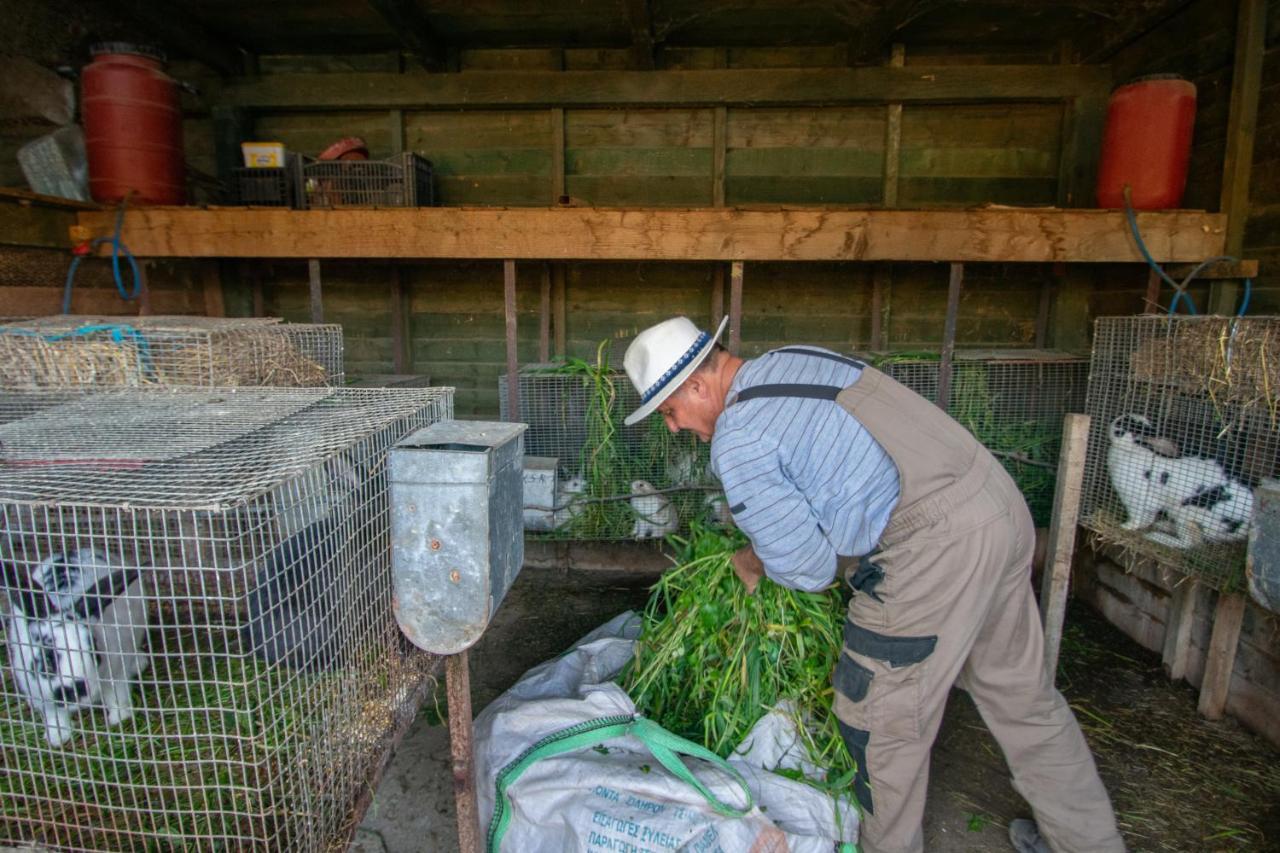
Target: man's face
{"points": [[691, 407]]}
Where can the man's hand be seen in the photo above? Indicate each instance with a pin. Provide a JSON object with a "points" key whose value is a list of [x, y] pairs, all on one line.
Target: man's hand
{"points": [[748, 568]]}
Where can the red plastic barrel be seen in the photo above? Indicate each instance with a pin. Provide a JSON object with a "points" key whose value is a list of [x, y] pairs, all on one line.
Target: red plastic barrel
{"points": [[132, 127], [1147, 143]]}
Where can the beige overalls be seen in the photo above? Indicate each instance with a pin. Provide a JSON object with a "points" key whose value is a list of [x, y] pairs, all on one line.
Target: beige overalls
{"points": [[947, 599]]}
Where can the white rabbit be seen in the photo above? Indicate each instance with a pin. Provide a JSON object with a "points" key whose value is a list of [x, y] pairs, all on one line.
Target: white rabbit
{"points": [[1217, 513], [684, 468], [569, 493], [1139, 465], [76, 632], [655, 514], [716, 509]]}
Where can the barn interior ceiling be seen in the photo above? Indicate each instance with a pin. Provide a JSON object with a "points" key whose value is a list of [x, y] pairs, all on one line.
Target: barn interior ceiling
{"points": [[228, 34]]}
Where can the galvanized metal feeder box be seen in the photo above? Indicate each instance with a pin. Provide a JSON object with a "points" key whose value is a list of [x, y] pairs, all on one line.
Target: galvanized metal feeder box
{"points": [[457, 529]]}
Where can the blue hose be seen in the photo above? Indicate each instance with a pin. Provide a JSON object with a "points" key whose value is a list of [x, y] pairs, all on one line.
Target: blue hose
{"points": [[1180, 288], [117, 247]]}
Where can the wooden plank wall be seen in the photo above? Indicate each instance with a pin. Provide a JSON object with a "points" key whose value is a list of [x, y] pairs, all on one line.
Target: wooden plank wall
{"points": [[950, 155]]}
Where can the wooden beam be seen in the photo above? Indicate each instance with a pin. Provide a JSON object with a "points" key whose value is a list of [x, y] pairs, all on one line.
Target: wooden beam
{"points": [[698, 234], [954, 283], [316, 291], [1242, 126], [893, 136], [719, 154], [735, 307], [557, 155], [1151, 300], [1221, 269], [881, 281], [1220, 660], [698, 87], [211, 282], [544, 316], [513, 360], [640, 18], [1042, 311], [1084, 115], [1176, 655], [176, 29], [395, 121], [401, 356], [410, 26], [458, 691], [559, 308], [1056, 583]]}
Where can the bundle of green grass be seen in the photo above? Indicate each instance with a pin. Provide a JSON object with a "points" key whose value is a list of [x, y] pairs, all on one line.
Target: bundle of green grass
{"points": [[712, 660]]}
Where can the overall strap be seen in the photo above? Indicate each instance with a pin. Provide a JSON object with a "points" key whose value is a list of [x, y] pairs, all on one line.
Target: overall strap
{"points": [[851, 362], [810, 392]]}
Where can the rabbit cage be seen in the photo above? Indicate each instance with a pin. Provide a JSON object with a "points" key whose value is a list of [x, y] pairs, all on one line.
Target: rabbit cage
{"points": [[1013, 401], [610, 481], [1184, 426], [200, 647], [68, 351]]}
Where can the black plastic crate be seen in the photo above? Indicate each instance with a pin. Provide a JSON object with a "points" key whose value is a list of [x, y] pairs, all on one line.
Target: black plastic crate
{"points": [[270, 187], [401, 181]]}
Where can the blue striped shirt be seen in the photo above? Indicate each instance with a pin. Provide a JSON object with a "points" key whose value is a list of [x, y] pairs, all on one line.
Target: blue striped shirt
{"points": [[804, 480]]}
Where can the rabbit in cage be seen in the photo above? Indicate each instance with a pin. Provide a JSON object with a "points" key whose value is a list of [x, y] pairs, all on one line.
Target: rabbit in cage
{"points": [[77, 629], [568, 496], [716, 509], [1220, 512], [295, 607], [685, 468], [1192, 492], [655, 514]]}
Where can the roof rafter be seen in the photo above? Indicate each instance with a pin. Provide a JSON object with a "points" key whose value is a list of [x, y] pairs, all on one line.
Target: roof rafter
{"points": [[413, 31], [174, 28], [640, 17]]}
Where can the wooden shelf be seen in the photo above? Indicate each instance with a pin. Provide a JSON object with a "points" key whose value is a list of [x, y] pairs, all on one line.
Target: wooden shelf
{"points": [[994, 234]]}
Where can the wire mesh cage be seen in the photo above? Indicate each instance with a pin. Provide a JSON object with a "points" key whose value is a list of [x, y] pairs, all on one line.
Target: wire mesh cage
{"points": [[402, 181], [611, 481], [1012, 401], [1184, 416], [66, 351], [200, 647]]}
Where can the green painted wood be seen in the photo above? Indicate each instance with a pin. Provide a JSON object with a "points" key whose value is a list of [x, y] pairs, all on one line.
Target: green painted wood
{"points": [[632, 162], [975, 191], [789, 163], [979, 162], [806, 127], [655, 128], [30, 225], [812, 190], [464, 162], [639, 191], [475, 129], [500, 191]]}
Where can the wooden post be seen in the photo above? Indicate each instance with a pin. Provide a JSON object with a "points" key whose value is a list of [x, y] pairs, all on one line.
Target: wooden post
{"points": [[544, 317], [1242, 125], [717, 294], [1062, 535], [259, 297], [1151, 301], [949, 336], [557, 155], [395, 119], [458, 688], [719, 153], [881, 278], [735, 307], [211, 280], [513, 362], [231, 126], [893, 135], [401, 357], [1042, 312], [144, 290], [1177, 628], [1221, 658], [559, 308], [317, 299]]}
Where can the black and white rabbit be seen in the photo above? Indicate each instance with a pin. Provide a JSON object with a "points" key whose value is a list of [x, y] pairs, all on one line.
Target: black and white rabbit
{"points": [[301, 595], [1218, 513], [655, 514], [1139, 463], [77, 629], [569, 496]]}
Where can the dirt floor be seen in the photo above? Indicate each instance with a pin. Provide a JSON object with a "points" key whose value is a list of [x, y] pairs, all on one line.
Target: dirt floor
{"points": [[1178, 782]]}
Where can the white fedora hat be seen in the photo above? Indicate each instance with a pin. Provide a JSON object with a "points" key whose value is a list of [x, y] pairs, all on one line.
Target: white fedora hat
{"points": [[661, 358]]}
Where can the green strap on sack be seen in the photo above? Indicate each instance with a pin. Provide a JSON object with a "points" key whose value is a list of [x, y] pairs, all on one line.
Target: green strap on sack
{"points": [[665, 747]]}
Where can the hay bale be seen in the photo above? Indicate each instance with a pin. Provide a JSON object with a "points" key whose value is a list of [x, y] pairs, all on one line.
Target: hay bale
{"points": [[1230, 361], [32, 363], [243, 358]]}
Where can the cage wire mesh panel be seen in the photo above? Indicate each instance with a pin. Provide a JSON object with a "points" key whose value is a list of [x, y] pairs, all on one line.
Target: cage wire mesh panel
{"points": [[69, 351], [612, 481], [1013, 402], [1184, 427], [200, 651], [402, 181]]}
